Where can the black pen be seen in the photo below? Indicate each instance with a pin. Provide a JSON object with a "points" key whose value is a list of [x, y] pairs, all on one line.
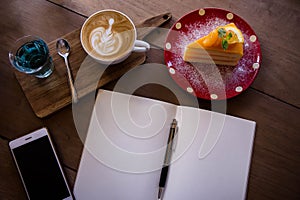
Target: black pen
{"points": [[165, 168]]}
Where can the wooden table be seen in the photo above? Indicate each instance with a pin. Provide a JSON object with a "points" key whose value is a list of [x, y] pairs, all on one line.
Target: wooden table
{"points": [[273, 100]]}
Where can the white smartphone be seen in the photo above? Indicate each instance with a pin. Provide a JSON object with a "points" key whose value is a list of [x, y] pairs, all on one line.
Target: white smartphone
{"points": [[39, 167]]}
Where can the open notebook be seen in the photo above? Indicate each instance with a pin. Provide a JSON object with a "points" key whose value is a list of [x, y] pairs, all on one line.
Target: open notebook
{"points": [[126, 143]]}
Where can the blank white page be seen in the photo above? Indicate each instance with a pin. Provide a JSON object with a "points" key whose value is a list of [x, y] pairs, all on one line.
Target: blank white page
{"points": [[124, 148], [216, 164]]}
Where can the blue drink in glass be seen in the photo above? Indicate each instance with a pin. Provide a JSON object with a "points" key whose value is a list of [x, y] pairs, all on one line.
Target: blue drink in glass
{"points": [[31, 56]]}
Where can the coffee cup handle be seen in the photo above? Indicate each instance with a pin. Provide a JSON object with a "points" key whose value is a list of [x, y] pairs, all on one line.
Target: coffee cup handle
{"points": [[141, 46]]}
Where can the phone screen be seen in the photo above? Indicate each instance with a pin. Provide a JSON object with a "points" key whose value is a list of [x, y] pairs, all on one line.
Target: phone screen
{"points": [[40, 170]]}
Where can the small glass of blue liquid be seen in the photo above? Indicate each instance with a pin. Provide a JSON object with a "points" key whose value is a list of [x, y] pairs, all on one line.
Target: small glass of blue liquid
{"points": [[30, 55]]}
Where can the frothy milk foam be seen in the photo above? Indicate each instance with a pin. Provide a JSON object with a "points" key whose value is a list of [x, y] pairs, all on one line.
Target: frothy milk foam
{"points": [[109, 36], [104, 41]]}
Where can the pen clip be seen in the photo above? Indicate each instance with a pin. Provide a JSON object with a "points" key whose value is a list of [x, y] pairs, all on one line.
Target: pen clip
{"points": [[175, 140]]}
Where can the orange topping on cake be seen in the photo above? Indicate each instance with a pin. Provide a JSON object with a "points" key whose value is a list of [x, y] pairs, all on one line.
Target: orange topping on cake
{"points": [[223, 45]]}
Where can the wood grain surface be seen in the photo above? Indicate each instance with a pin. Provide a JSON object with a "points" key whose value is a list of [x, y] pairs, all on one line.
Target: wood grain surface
{"points": [[271, 21], [272, 101], [53, 93]]}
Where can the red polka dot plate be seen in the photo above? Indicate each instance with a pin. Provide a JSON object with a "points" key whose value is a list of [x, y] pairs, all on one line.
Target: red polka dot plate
{"points": [[210, 81]]}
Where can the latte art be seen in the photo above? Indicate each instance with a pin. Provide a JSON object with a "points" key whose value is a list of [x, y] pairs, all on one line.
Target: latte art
{"points": [[108, 35], [104, 41], [103, 44]]}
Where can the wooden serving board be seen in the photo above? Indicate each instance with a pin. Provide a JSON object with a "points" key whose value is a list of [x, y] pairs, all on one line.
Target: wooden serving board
{"points": [[53, 93]]}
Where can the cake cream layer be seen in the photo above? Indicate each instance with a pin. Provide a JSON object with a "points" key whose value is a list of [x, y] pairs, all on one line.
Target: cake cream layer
{"points": [[211, 56], [216, 62], [212, 53], [224, 46], [195, 53]]}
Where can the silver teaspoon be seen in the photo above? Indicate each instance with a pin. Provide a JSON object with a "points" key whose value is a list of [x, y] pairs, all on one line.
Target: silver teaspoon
{"points": [[63, 49]]}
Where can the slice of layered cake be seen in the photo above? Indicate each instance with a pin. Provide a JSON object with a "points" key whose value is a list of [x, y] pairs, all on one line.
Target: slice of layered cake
{"points": [[222, 46]]}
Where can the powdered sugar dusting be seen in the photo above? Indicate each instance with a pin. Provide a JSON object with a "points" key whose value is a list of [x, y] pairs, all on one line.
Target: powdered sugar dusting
{"points": [[196, 30], [198, 74], [206, 79]]}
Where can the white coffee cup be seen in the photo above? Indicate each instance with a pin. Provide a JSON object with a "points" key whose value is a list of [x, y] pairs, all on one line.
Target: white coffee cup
{"points": [[109, 36]]}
